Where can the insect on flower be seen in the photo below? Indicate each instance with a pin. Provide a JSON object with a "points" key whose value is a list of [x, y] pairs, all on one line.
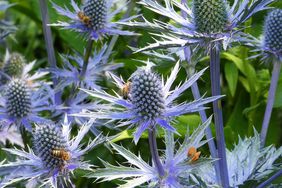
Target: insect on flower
{"points": [[85, 19], [125, 90], [61, 154], [193, 154]]}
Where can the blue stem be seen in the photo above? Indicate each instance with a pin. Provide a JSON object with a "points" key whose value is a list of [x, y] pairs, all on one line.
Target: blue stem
{"points": [[270, 100], [49, 44], [218, 119], [86, 58], [208, 132], [197, 95], [271, 179], [154, 151]]}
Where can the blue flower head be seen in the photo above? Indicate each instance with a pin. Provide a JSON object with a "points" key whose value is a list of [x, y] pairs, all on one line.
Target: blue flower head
{"points": [[206, 23], [55, 155], [93, 19], [147, 101], [21, 103], [272, 41]]}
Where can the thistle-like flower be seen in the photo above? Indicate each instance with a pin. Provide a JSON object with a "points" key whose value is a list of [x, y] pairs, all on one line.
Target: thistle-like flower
{"points": [[147, 101], [272, 37], [21, 104], [207, 22], [93, 19], [70, 74], [15, 66], [178, 164], [54, 156], [271, 48], [247, 161]]}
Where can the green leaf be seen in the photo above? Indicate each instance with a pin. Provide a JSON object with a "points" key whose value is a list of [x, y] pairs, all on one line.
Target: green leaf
{"points": [[231, 74]]}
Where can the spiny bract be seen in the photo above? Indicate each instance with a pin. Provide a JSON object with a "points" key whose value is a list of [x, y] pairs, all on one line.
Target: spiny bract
{"points": [[47, 138], [14, 66], [146, 94], [273, 31], [18, 99], [210, 16], [96, 10]]}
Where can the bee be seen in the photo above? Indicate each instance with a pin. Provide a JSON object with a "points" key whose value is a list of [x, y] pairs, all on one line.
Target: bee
{"points": [[193, 154], [85, 19], [61, 154], [125, 90]]}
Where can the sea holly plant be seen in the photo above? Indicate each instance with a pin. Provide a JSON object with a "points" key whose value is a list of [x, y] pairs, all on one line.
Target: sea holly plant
{"points": [[271, 47], [177, 164], [81, 96], [149, 102], [55, 155], [93, 19], [211, 25], [246, 162], [21, 104], [69, 74]]}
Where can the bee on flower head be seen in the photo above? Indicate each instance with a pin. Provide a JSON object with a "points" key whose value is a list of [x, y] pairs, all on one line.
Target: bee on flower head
{"points": [[192, 154], [125, 90], [83, 18], [61, 154]]}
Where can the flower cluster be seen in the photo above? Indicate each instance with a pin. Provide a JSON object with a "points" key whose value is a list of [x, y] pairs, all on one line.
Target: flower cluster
{"points": [[46, 126]]}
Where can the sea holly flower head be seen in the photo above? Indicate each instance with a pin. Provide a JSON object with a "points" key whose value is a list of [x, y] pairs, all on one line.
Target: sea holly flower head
{"points": [[54, 156], [246, 162], [148, 102], [20, 104], [206, 23], [15, 66], [178, 165], [271, 43], [70, 73], [93, 19]]}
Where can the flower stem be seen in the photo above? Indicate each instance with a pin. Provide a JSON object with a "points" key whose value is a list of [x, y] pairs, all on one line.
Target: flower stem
{"points": [[113, 41], [154, 151], [270, 100], [49, 43], [197, 95], [271, 179], [218, 119], [86, 58]]}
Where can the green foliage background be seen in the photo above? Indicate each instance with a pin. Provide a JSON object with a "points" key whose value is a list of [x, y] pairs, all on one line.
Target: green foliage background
{"points": [[244, 82]]}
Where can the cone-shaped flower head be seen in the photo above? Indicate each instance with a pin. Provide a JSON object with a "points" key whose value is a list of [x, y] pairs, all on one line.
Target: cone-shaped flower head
{"points": [[14, 66], [51, 146], [146, 94], [273, 31], [96, 11], [149, 101], [210, 16], [18, 99], [54, 157], [94, 18]]}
